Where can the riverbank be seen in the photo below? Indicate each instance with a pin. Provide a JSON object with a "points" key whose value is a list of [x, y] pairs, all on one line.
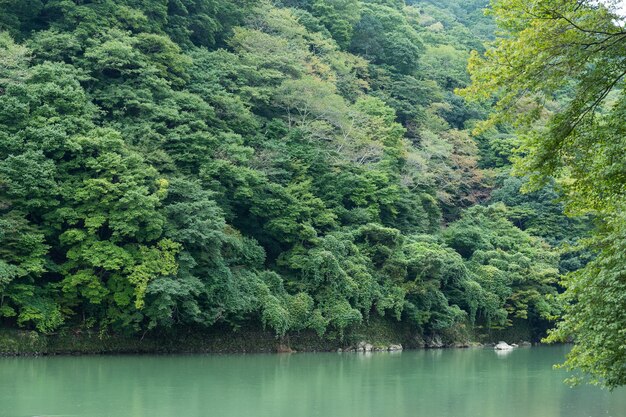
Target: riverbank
{"points": [[379, 335]]}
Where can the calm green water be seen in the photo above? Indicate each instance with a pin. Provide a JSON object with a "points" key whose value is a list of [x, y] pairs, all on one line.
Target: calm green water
{"points": [[435, 383]]}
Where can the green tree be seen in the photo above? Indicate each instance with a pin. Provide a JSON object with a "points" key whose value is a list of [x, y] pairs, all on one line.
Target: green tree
{"points": [[558, 72], [384, 36], [518, 272], [283, 164], [339, 17]]}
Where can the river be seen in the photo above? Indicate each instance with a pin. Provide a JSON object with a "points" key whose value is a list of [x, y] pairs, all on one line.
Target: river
{"points": [[426, 383]]}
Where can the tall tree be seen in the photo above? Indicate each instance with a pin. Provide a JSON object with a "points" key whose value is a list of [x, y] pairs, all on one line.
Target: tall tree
{"points": [[557, 72]]}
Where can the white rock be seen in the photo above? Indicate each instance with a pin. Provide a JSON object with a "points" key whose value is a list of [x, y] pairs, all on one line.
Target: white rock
{"points": [[503, 346]]}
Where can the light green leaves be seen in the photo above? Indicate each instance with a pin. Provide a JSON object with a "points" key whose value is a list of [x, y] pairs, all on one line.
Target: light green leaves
{"points": [[557, 72]]}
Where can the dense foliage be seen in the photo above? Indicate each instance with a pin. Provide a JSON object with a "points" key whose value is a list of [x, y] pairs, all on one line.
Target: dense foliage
{"points": [[298, 165], [558, 72]]}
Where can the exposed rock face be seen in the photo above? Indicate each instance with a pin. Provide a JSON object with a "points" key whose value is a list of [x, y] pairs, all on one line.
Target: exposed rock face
{"points": [[434, 341], [503, 346], [368, 347], [284, 349], [419, 341], [364, 347], [525, 344]]}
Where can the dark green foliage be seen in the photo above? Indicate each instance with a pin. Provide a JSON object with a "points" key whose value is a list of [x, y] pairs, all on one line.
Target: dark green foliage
{"points": [[518, 273], [339, 17], [218, 164], [384, 36]]}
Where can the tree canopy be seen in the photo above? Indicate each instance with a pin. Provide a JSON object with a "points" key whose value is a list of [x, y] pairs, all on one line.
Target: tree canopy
{"points": [[296, 165], [557, 71]]}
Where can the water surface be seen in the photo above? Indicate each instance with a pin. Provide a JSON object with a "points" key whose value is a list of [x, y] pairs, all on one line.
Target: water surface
{"points": [[433, 383]]}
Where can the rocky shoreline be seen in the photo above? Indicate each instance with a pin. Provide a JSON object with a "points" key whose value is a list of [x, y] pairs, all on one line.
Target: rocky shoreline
{"points": [[30, 343], [364, 346]]}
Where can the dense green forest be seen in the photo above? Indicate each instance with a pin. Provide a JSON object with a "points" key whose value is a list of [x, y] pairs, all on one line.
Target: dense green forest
{"points": [[300, 165], [556, 73]]}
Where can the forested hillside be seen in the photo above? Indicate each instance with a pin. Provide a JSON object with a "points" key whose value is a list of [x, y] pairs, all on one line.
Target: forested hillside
{"points": [[293, 165]]}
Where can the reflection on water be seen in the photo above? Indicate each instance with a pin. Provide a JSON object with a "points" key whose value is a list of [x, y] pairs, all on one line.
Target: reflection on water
{"points": [[503, 353], [433, 383]]}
